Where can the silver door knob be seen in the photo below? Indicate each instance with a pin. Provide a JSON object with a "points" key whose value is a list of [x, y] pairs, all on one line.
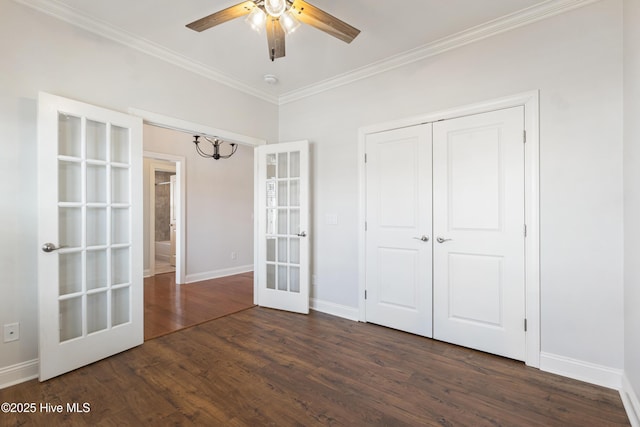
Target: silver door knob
{"points": [[49, 247], [423, 238], [441, 240], [302, 234]]}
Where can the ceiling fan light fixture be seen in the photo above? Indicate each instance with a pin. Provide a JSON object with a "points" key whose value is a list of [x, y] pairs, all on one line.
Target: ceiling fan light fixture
{"points": [[275, 8], [289, 22], [256, 19]]}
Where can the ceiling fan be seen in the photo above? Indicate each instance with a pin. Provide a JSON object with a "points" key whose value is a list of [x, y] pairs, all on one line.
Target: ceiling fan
{"points": [[280, 17]]}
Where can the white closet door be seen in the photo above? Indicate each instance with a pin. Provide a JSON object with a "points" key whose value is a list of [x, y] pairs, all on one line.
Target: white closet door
{"points": [[398, 247], [478, 172]]}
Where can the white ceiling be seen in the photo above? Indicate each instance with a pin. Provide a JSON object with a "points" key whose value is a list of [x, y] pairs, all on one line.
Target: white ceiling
{"points": [[392, 33]]}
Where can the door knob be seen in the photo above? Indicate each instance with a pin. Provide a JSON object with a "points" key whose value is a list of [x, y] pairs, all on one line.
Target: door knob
{"points": [[49, 247], [423, 238], [441, 240]]}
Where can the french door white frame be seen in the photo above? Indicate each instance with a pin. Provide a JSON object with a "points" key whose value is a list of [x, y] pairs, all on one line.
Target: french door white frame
{"points": [[530, 100], [167, 122]]}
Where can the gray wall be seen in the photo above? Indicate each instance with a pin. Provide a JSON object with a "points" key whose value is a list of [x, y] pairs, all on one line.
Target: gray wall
{"points": [[575, 60]]}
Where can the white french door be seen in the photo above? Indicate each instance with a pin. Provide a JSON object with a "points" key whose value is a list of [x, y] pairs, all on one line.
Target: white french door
{"points": [[282, 213], [398, 245], [90, 228], [479, 278]]}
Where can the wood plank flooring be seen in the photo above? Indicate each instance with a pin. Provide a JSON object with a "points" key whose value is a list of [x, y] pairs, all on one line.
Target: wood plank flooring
{"points": [[168, 308], [262, 367]]}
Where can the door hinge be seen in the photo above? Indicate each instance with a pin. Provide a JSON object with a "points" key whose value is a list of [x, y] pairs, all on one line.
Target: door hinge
{"points": [[525, 230], [365, 226], [365, 157], [365, 294], [525, 325], [524, 136]]}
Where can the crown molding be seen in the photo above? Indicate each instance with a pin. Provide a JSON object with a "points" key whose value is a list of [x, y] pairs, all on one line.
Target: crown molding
{"points": [[78, 19], [506, 23], [518, 19]]}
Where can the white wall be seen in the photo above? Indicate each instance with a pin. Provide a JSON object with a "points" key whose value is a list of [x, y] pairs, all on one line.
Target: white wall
{"points": [[219, 204], [632, 196], [40, 53], [575, 60]]}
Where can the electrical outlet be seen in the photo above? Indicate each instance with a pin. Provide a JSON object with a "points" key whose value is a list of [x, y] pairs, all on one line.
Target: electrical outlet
{"points": [[234, 255], [11, 332]]}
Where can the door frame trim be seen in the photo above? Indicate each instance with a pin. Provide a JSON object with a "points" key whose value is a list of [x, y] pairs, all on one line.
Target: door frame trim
{"points": [[531, 101]]}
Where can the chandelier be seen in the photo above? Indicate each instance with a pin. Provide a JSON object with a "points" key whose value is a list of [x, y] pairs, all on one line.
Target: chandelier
{"points": [[215, 144]]}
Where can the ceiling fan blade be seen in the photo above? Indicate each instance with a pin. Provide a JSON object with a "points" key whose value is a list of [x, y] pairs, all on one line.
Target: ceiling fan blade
{"points": [[222, 16], [275, 37], [323, 21]]}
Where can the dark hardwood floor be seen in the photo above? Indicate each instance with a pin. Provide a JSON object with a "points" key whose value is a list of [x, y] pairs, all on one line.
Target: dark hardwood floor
{"points": [[168, 308], [263, 367]]}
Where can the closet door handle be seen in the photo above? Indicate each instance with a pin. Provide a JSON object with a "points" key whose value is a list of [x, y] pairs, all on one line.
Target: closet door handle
{"points": [[423, 238], [441, 240]]}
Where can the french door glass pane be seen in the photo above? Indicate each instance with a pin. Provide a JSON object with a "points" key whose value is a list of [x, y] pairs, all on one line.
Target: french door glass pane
{"points": [[282, 278], [96, 184], [282, 193], [282, 249], [120, 266], [96, 312], [294, 251], [96, 140], [294, 279], [271, 249], [294, 160], [120, 307], [70, 318], [120, 145], [120, 226], [282, 221], [294, 192], [120, 185], [271, 221], [283, 170], [294, 226], [69, 182], [70, 227], [96, 226], [271, 276], [69, 273], [271, 166], [69, 135], [96, 269]]}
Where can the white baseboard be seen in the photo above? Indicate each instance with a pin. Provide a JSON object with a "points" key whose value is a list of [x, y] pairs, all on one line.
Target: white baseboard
{"points": [[631, 402], [207, 275], [338, 310], [580, 370], [19, 373], [146, 273]]}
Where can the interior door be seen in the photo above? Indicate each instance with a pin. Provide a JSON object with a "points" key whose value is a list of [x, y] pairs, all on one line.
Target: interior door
{"points": [[90, 225], [283, 226], [398, 236], [479, 289]]}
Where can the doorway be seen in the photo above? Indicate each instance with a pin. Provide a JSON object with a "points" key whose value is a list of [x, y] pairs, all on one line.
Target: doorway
{"points": [[162, 218]]}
